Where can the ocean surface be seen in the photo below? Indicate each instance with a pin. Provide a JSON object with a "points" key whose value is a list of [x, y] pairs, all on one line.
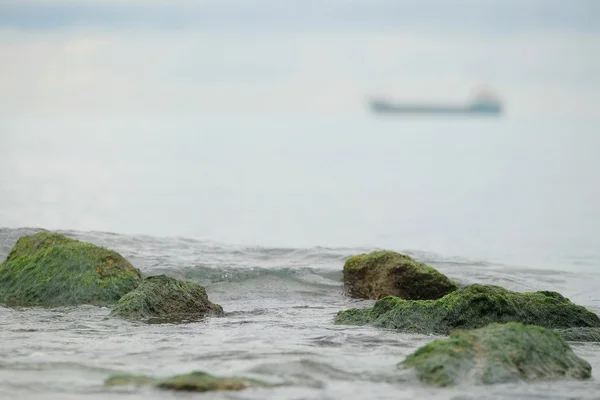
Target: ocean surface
{"points": [[519, 188], [263, 210], [232, 144], [280, 304]]}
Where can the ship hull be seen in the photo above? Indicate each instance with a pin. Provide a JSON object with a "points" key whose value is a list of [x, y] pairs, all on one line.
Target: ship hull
{"points": [[380, 107]]}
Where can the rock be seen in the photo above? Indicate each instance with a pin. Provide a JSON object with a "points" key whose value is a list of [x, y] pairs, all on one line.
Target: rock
{"points": [[471, 307], [134, 380], [498, 353], [165, 297], [196, 381], [386, 273], [49, 269], [580, 334]]}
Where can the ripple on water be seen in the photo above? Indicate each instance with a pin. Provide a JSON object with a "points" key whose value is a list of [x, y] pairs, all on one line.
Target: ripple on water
{"points": [[280, 306]]}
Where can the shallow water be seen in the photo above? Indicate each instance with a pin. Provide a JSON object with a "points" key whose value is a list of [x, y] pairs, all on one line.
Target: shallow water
{"points": [[280, 306]]}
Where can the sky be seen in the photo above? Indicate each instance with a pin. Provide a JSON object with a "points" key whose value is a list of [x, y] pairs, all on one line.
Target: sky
{"points": [[271, 15], [327, 57]]}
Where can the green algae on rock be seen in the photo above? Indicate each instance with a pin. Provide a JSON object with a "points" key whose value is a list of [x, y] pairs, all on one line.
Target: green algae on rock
{"points": [[164, 297], [123, 380], [497, 353], [49, 269], [580, 334], [387, 273], [471, 307], [196, 381]]}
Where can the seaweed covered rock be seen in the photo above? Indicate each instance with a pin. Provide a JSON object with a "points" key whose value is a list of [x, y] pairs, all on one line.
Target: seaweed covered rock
{"points": [[580, 334], [387, 273], [49, 269], [471, 307], [498, 353], [164, 297], [196, 381]]}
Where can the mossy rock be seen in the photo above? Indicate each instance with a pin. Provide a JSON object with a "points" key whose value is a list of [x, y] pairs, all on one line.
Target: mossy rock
{"points": [[497, 353], [196, 381], [471, 307], [165, 298], [387, 273], [49, 269], [580, 334]]}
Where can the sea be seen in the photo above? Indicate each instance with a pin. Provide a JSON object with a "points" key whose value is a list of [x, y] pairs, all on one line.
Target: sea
{"points": [[237, 150]]}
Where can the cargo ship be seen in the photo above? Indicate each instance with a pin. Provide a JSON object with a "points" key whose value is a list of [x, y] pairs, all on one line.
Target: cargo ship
{"points": [[483, 104]]}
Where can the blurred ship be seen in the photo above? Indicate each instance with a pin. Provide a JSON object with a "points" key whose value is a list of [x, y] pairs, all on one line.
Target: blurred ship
{"points": [[483, 103]]}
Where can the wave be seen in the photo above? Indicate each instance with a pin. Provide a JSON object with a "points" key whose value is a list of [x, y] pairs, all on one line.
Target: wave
{"points": [[209, 262], [153, 250], [210, 275]]}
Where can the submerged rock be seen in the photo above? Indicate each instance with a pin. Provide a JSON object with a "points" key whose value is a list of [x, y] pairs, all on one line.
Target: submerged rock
{"points": [[49, 269], [498, 353], [580, 334], [387, 273], [164, 297], [196, 381], [471, 307]]}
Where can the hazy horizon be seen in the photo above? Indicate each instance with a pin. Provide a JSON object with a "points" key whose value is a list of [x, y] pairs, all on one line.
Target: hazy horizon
{"points": [[249, 123]]}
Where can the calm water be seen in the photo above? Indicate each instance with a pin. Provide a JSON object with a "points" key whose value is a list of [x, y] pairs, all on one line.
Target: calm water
{"points": [[517, 189]]}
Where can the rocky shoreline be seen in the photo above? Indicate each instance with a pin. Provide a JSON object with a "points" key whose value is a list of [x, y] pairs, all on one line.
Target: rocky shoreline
{"points": [[485, 323]]}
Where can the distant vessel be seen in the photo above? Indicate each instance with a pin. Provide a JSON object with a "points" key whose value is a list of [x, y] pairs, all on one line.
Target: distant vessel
{"points": [[483, 103]]}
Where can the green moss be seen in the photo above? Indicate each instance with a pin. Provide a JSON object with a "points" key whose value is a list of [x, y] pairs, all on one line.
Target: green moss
{"points": [[497, 353], [122, 380], [355, 316], [164, 297], [387, 273], [48, 269], [472, 307], [439, 362], [580, 334], [196, 381]]}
